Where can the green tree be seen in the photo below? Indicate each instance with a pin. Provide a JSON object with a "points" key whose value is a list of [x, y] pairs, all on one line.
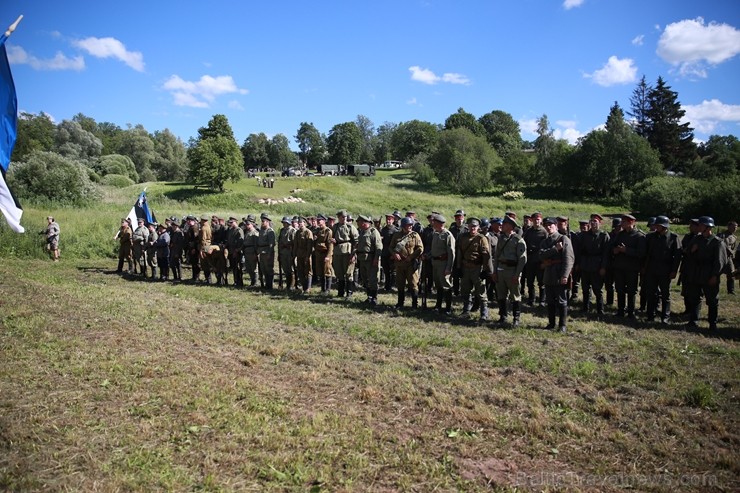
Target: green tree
{"points": [[311, 145], [344, 143], [34, 133], [672, 139], [255, 151], [463, 119], [719, 156], [544, 145], [76, 143], [640, 107], [414, 137], [117, 164], [214, 156], [502, 132], [384, 142], [281, 157], [463, 161], [136, 143], [516, 170], [170, 161], [51, 176], [367, 131]]}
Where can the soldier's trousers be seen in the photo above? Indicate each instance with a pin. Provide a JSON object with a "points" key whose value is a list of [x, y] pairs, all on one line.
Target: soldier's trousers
{"points": [[287, 265], [389, 271], [532, 271], [194, 259], [344, 268], [693, 301], [151, 259], [267, 268], [250, 267], [407, 275], [139, 255], [175, 267], [442, 282], [323, 267], [303, 272], [369, 271], [506, 286], [592, 281], [656, 287], [472, 282], [625, 282], [427, 275], [164, 267], [235, 265]]}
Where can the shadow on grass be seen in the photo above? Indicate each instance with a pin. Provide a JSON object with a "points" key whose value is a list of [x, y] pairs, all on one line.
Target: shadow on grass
{"points": [[189, 192]]}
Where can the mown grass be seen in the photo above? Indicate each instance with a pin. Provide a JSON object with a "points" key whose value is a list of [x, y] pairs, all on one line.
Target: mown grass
{"points": [[111, 384]]}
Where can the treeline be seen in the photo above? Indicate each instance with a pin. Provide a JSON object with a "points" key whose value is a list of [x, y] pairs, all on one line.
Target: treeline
{"points": [[649, 161]]}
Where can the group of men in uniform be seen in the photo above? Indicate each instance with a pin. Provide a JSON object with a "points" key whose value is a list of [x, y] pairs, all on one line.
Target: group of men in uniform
{"points": [[541, 261]]}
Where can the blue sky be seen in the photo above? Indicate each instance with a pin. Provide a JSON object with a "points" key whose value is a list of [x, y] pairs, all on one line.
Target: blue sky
{"points": [[268, 66]]}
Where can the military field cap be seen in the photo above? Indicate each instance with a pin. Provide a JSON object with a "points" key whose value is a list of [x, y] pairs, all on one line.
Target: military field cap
{"points": [[300, 219], [190, 218], [706, 221], [662, 221], [333, 218], [536, 214], [154, 224], [250, 218], [140, 220], [321, 217], [562, 218], [205, 218], [410, 213], [473, 221], [390, 214], [497, 220], [651, 221], [527, 216], [509, 220], [439, 218], [124, 219], [583, 221], [163, 226], [550, 220], [341, 213], [597, 216], [364, 218], [628, 217], [510, 214], [214, 216], [459, 212], [233, 219]]}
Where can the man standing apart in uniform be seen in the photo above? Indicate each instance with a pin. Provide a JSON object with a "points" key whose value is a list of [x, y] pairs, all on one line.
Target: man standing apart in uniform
{"points": [[205, 238], [557, 260], [141, 236], [323, 253], [708, 256], [125, 245], [473, 258], [731, 244], [442, 255], [52, 238], [285, 252], [345, 237], [303, 253], [369, 249], [627, 250], [266, 251], [509, 261], [407, 248], [662, 259]]}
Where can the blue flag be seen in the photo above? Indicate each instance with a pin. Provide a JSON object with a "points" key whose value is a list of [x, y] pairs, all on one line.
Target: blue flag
{"points": [[141, 210], [9, 205]]}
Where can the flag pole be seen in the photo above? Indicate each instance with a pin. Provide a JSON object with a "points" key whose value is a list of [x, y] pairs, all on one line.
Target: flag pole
{"points": [[13, 26]]}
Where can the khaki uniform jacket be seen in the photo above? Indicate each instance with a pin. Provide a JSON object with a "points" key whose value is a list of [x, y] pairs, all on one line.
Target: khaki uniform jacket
{"points": [[474, 251], [322, 242], [408, 246], [204, 238], [303, 243], [707, 256], [346, 237], [443, 248], [369, 244], [285, 240], [250, 242], [266, 241], [235, 241], [510, 252], [125, 239], [556, 263]]}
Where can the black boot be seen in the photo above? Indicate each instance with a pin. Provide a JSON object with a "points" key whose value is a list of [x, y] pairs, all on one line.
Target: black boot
{"points": [[502, 312], [438, 304], [483, 312], [119, 270], [542, 296], [373, 295], [563, 317], [551, 312], [631, 306], [448, 302], [599, 307], [586, 303], [340, 287], [516, 311], [154, 273], [466, 308], [620, 304], [665, 313], [414, 299], [349, 288], [401, 298]]}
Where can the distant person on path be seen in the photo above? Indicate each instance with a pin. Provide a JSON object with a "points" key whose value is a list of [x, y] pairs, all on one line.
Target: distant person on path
{"points": [[52, 238]]}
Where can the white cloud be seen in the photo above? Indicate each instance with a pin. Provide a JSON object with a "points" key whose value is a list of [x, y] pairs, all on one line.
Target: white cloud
{"points": [[638, 40], [412, 101], [691, 44], [111, 47], [18, 55], [570, 4], [235, 105], [570, 134], [426, 76], [201, 93], [615, 71], [706, 117], [529, 126], [566, 123]]}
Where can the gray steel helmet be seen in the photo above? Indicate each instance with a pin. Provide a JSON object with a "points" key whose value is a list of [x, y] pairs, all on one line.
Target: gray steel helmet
{"points": [[406, 221], [706, 221]]}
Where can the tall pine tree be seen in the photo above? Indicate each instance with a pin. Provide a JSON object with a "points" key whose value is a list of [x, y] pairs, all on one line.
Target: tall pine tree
{"points": [[672, 139], [640, 106]]}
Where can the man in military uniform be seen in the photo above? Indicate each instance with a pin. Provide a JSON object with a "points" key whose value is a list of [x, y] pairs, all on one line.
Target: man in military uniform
{"points": [[125, 241], [662, 259], [344, 236], [177, 245], [494, 231], [533, 237], [151, 249], [508, 265], [386, 234], [442, 257], [407, 249], [708, 256], [687, 261], [205, 237], [593, 246], [285, 252], [249, 248], [417, 227], [303, 245], [731, 244], [609, 273], [162, 246], [266, 251], [457, 228], [369, 249], [426, 281], [191, 241], [234, 246], [557, 259], [627, 254], [324, 253], [52, 238], [473, 257], [140, 237]]}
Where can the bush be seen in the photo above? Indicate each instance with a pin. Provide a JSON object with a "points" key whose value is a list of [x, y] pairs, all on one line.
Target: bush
{"points": [[117, 181], [672, 196]]}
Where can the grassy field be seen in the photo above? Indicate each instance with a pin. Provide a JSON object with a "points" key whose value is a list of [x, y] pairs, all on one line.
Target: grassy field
{"points": [[113, 384]]}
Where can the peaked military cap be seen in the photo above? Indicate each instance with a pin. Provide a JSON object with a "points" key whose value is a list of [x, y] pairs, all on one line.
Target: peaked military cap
{"points": [[320, 217], [140, 220], [550, 220], [364, 218], [583, 221], [439, 218], [510, 214], [509, 220], [191, 218], [333, 218], [473, 221], [264, 217], [341, 213], [629, 217], [597, 216], [250, 218], [535, 214], [205, 217], [562, 218], [163, 226], [233, 219]]}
